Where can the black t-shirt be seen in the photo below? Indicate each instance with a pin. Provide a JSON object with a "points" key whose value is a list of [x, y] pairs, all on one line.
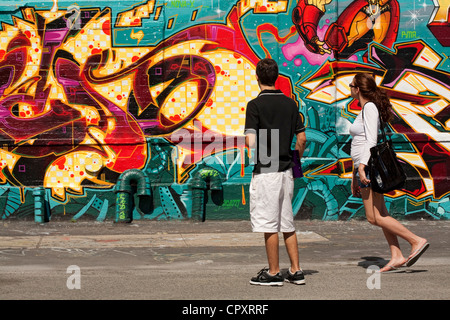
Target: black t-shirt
{"points": [[273, 116]]}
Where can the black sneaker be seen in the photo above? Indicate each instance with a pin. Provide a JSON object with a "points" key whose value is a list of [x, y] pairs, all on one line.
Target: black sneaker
{"points": [[297, 277], [263, 278]]}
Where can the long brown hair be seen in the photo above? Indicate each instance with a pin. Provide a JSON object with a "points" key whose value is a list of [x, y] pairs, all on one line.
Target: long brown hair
{"points": [[370, 91]]}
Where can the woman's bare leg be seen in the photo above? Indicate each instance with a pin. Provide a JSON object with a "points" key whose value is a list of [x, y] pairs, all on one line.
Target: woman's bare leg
{"points": [[376, 213]]}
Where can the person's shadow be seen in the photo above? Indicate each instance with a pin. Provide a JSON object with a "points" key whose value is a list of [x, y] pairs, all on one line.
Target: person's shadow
{"points": [[305, 272], [380, 263]]}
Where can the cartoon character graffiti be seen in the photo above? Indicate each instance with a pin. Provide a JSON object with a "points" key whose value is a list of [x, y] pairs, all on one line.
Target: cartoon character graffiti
{"points": [[362, 22]]}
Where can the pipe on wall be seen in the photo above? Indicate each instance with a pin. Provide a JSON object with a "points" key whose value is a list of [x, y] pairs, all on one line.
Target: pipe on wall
{"points": [[203, 180], [130, 183], [41, 206]]}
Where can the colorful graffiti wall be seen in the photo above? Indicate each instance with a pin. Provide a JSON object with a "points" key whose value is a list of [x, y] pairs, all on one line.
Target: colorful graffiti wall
{"points": [[111, 105]]}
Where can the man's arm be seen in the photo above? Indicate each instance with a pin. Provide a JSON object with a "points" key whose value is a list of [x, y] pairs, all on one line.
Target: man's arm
{"points": [[250, 140], [301, 143]]}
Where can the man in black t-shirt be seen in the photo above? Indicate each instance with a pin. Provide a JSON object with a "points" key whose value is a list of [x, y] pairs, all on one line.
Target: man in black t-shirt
{"points": [[272, 121]]}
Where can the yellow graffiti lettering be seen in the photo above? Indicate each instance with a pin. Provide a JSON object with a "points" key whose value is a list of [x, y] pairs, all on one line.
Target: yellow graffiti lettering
{"points": [[440, 13]]}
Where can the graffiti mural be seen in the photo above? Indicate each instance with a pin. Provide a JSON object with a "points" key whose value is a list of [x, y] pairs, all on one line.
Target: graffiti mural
{"points": [[137, 108]]}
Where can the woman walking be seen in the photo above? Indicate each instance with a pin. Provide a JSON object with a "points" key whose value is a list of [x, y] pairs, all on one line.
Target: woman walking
{"points": [[364, 132]]}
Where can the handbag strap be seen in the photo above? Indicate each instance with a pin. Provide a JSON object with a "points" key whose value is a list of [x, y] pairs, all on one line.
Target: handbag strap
{"points": [[382, 126]]}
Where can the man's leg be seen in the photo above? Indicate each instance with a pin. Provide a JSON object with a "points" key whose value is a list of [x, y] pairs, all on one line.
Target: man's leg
{"points": [[287, 221], [290, 240], [294, 275], [272, 250]]}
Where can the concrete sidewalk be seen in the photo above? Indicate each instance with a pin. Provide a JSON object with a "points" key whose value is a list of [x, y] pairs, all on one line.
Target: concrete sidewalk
{"points": [[214, 260]]}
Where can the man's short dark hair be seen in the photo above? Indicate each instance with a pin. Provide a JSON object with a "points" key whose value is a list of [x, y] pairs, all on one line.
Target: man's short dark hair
{"points": [[267, 71]]}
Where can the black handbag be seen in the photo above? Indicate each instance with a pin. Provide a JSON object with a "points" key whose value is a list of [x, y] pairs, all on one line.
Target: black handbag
{"points": [[385, 170]]}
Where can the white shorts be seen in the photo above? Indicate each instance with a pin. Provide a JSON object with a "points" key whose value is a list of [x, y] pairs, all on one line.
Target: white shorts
{"points": [[271, 202]]}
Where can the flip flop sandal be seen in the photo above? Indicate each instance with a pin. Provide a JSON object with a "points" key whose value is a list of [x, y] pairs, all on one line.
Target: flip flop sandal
{"points": [[392, 269], [416, 255]]}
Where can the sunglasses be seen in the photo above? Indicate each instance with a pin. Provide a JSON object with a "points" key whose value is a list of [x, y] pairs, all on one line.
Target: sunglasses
{"points": [[352, 86]]}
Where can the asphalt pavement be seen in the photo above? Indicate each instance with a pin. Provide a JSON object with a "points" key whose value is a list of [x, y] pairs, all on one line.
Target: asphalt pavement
{"points": [[206, 261]]}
